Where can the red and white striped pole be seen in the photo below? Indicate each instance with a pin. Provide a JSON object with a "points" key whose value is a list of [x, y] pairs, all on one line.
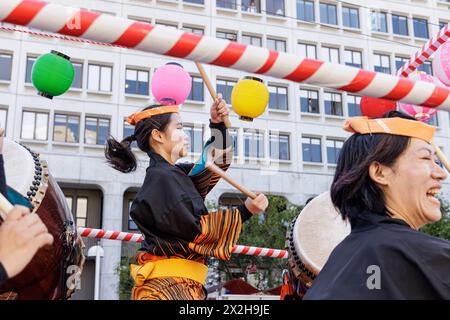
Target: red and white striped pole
{"points": [[135, 237], [427, 50], [176, 43]]}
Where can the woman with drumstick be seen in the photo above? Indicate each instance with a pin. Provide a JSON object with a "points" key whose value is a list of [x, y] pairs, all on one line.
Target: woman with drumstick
{"points": [[169, 208], [386, 182]]}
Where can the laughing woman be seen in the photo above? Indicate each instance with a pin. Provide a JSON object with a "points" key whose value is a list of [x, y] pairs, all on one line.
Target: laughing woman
{"points": [[385, 183], [179, 231]]}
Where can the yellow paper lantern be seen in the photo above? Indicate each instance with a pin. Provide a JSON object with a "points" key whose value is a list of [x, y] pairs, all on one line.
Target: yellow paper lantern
{"points": [[249, 98]]}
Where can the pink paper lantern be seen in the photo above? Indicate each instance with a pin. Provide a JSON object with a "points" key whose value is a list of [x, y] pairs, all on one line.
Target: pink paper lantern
{"points": [[441, 63], [171, 84], [420, 113]]}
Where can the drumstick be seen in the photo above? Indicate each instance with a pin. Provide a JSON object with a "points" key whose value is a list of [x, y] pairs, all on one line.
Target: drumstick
{"points": [[5, 207], [211, 166], [441, 156], [211, 90]]}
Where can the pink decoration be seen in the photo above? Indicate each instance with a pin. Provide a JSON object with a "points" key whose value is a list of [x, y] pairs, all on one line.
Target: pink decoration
{"points": [[441, 63], [171, 84], [420, 113]]}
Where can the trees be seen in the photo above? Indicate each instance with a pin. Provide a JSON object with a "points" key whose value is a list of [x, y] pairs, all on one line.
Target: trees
{"points": [[266, 230]]}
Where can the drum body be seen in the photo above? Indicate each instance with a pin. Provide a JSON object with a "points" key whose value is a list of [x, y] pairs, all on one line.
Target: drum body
{"points": [[313, 235], [46, 276]]}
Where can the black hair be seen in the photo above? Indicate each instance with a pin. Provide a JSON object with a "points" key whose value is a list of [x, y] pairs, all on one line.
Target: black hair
{"points": [[119, 154], [353, 191]]}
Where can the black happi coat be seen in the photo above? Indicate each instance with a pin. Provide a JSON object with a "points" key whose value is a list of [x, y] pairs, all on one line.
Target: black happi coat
{"points": [[409, 264], [169, 209]]}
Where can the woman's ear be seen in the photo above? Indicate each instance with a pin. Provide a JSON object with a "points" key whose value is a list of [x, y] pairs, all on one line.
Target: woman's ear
{"points": [[380, 174], [156, 136]]}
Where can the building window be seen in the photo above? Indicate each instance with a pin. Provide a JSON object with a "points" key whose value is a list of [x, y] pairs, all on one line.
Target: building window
{"points": [[278, 98], [78, 79], [333, 149], [353, 58], [426, 67], [253, 144], [195, 135], [353, 104], [227, 35], [234, 140], [228, 4], [275, 7], [442, 24], [5, 66], [277, 45], [399, 62], [3, 118], [305, 10], [34, 125], [195, 1], [400, 25], [97, 130], [167, 24], [279, 146], [379, 21], [197, 93], [333, 104], [311, 148], [434, 120], [350, 17], [382, 63], [253, 6], [307, 50], [199, 31], [330, 54], [328, 13], [128, 130], [81, 213], [225, 87], [132, 226], [420, 28], [99, 78], [309, 101], [136, 82], [66, 128], [29, 67], [252, 40]]}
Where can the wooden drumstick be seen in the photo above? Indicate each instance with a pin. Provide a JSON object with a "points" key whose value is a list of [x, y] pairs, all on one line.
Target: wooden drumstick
{"points": [[212, 167], [441, 156], [211, 90]]}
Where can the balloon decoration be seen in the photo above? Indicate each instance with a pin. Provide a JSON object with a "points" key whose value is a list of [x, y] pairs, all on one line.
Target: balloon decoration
{"points": [[420, 113], [171, 84], [375, 108], [441, 63], [249, 98], [52, 74]]}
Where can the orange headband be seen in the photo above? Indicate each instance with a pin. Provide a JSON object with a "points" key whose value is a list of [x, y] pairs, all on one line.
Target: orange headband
{"points": [[396, 126], [138, 116]]}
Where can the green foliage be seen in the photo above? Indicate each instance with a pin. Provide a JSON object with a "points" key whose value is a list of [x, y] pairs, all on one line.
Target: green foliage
{"points": [[126, 283], [267, 231], [441, 228]]}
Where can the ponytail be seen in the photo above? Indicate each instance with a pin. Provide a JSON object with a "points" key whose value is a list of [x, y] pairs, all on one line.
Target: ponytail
{"points": [[119, 154]]}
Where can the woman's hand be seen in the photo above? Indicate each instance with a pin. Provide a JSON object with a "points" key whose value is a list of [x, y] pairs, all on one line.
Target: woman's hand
{"points": [[21, 235], [218, 109], [257, 205]]}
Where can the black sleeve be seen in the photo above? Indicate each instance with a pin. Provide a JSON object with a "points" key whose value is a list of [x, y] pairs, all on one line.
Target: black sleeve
{"points": [[245, 214], [3, 274], [2, 177]]}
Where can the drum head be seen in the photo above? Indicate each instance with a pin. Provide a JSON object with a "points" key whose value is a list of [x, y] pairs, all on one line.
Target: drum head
{"points": [[19, 166], [318, 229]]}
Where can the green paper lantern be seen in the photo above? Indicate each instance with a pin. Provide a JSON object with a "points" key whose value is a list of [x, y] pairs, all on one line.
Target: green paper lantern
{"points": [[52, 74]]}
